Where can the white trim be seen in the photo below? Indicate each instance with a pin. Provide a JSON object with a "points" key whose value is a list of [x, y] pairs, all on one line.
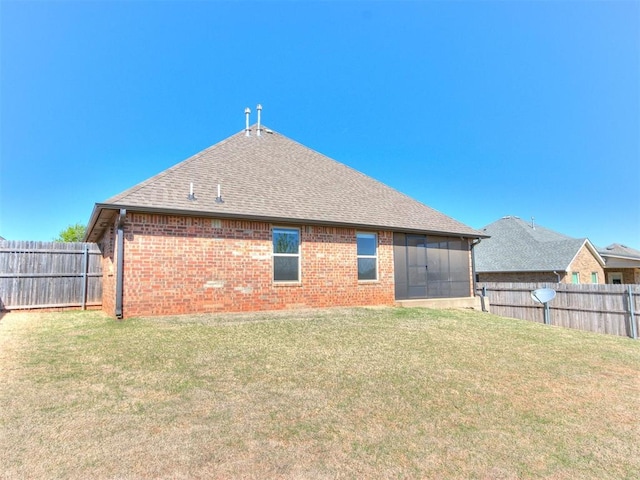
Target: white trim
{"points": [[376, 236], [592, 249], [298, 255], [611, 276]]}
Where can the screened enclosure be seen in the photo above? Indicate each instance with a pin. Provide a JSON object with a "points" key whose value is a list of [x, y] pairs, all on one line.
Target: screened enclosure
{"points": [[431, 266]]}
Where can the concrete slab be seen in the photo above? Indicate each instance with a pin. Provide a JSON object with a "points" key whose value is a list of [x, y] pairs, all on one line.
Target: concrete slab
{"points": [[465, 302]]}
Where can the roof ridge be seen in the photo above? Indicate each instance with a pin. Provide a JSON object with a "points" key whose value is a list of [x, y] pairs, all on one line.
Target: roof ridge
{"points": [[534, 230]]}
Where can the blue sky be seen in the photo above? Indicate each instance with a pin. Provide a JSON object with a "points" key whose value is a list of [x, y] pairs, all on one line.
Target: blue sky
{"points": [[479, 109]]}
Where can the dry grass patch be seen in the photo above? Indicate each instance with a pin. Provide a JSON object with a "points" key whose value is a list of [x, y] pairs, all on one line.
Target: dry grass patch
{"points": [[340, 393]]}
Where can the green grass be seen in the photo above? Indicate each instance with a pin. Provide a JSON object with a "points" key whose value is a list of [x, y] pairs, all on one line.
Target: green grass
{"points": [[338, 393]]}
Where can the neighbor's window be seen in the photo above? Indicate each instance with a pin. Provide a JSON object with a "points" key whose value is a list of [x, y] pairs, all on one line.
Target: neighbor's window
{"points": [[575, 277], [594, 277], [367, 256], [615, 278], [286, 254]]}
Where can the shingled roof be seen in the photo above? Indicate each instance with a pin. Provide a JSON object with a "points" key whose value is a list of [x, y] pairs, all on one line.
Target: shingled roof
{"points": [[620, 256], [518, 246], [620, 251], [273, 178]]}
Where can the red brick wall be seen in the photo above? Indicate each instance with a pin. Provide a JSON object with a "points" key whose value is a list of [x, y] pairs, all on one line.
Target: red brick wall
{"points": [[584, 264], [175, 265], [629, 275], [107, 247]]}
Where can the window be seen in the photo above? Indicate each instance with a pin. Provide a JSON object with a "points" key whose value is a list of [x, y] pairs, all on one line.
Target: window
{"points": [[615, 278], [286, 255], [367, 256], [594, 277], [575, 277]]}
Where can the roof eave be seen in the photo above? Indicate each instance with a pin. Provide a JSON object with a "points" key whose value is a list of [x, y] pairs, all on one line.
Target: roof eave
{"points": [[94, 229], [547, 270], [592, 249], [100, 207], [618, 255]]}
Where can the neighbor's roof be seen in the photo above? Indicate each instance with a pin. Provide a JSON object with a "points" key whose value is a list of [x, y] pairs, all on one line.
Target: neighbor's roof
{"points": [[518, 246], [621, 251], [273, 178]]}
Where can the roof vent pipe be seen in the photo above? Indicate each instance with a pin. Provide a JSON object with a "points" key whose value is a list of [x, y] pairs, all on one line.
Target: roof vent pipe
{"points": [[533, 223], [247, 111], [219, 197], [259, 109]]}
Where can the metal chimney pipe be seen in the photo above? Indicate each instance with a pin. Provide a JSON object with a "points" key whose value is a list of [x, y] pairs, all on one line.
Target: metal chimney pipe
{"points": [[247, 111], [259, 109]]}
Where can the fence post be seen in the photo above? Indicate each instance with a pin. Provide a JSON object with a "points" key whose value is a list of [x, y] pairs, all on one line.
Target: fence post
{"points": [[483, 298], [632, 314], [547, 314], [85, 276]]}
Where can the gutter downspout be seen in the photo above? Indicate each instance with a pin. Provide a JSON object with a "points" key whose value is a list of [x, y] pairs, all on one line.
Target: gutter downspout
{"points": [[120, 262], [473, 271], [557, 275]]}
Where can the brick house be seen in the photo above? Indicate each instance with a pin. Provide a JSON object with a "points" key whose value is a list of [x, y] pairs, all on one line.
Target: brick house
{"points": [[259, 222], [518, 251], [622, 264]]}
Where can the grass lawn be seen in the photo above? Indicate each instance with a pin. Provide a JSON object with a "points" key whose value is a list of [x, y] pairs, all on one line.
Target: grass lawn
{"points": [[338, 393]]}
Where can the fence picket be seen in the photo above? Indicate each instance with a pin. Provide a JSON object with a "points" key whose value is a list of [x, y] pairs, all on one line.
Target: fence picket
{"points": [[49, 274], [598, 308]]}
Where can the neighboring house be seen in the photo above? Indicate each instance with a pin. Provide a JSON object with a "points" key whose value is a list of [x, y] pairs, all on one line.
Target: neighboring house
{"points": [[518, 251], [259, 222], [622, 264]]}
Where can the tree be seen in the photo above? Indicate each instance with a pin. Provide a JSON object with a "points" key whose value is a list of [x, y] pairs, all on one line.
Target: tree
{"points": [[73, 233]]}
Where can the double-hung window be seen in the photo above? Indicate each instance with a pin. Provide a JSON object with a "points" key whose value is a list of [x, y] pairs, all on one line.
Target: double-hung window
{"points": [[367, 256], [286, 255]]}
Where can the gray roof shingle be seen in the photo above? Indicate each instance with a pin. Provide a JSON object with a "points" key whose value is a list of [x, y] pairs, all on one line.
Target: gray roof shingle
{"points": [[272, 177], [517, 246], [618, 250]]}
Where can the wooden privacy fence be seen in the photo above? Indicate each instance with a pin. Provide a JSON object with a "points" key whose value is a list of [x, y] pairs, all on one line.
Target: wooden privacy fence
{"points": [[49, 275], [612, 309]]}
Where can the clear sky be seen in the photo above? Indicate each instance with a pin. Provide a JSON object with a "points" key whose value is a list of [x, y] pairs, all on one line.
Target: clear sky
{"points": [[479, 109]]}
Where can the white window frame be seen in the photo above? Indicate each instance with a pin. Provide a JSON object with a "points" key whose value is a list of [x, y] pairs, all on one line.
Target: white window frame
{"points": [[575, 276], [374, 256], [594, 276], [296, 255], [613, 276]]}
